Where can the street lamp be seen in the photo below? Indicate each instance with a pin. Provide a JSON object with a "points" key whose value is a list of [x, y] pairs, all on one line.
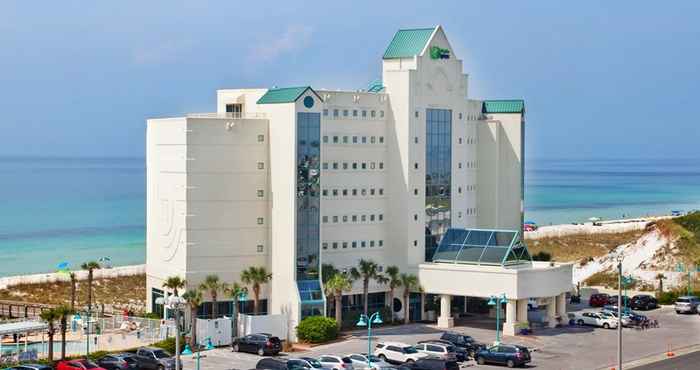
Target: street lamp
{"points": [[176, 304], [498, 301], [626, 282], [368, 321], [619, 311], [242, 296]]}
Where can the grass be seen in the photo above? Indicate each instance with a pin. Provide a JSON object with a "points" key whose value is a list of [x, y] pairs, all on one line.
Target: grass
{"points": [[580, 247], [686, 230]]}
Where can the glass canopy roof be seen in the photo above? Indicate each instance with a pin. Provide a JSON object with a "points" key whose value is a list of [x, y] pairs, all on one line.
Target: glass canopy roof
{"points": [[482, 247]]}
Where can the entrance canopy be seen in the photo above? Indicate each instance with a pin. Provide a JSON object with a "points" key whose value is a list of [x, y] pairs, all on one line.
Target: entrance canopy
{"points": [[22, 327], [482, 247]]}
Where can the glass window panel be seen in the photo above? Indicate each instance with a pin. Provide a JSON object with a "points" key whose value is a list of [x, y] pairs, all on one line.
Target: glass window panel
{"points": [[502, 238], [478, 237], [470, 254], [494, 255]]}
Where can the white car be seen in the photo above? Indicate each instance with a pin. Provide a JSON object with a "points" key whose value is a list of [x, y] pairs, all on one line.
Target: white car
{"points": [[359, 361], [595, 319], [332, 362], [398, 352]]}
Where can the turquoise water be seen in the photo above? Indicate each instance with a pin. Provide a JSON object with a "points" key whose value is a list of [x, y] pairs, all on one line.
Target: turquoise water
{"points": [[78, 209]]}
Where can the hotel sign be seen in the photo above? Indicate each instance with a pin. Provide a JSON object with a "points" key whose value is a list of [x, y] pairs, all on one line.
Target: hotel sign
{"points": [[437, 52]]}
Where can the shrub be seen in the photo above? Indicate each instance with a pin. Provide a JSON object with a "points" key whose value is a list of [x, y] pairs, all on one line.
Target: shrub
{"points": [[169, 344], [542, 256], [317, 329]]}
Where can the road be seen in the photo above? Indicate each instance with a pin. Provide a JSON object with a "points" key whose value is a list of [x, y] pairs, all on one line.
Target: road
{"points": [[690, 361]]}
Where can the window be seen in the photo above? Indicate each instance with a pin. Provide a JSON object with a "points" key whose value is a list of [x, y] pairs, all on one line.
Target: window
{"points": [[354, 244], [335, 219], [371, 243], [345, 112], [354, 165], [325, 165], [345, 192], [415, 191], [345, 218], [371, 191], [460, 117], [345, 165], [261, 165], [460, 140], [459, 165], [459, 214], [335, 245], [363, 244], [354, 112], [335, 192], [415, 217], [261, 193], [459, 189], [373, 113], [354, 139], [324, 192], [261, 138], [354, 218], [415, 243], [234, 110], [372, 139], [354, 192], [363, 218], [381, 191], [335, 165], [335, 113], [260, 248], [415, 139], [364, 165], [335, 140], [261, 220], [364, 114], [325, 139], [364, 192], [325, 219], [324, 246], [381, 243], [372, 165], [325, 112], [345, 139], [381, 165], [415, 165], [371, 218], [381, 217], [364, 140], [381, 113], [381, 140], [416, 114], [345, 245]]}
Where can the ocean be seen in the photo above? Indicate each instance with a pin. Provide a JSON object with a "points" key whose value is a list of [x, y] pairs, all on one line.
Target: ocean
{"points": [[55, 210]]}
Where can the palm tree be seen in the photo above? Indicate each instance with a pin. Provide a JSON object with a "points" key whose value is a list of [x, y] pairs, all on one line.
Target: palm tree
{"points": [[90, 266], [174, 283], [63, 313], [410, 282], [194, 300], [367, 270], [335, 286], [327, 272], [73, 285], [394, 281], [255, 276], [50, 316], [660, 277], [235, 291], [213, 285]]}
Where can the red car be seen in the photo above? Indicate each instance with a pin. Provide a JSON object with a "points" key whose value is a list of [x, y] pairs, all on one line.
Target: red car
{"points": [[78, 365], [598, 300]]}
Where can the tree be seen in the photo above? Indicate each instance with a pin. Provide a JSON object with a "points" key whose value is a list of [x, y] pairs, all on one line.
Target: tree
{"points": [[50, 316], [194, 300], [213, 286], [542, 256], [255, 276], [90, 266], [63, 313], [327, 272], [335, 287], [410, 282], [235, 291], [174, 283], [394, 281], [367, 270], [73, 285], [660, 277]]}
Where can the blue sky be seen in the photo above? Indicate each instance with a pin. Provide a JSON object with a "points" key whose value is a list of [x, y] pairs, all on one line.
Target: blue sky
{"points": [[600, 79]]}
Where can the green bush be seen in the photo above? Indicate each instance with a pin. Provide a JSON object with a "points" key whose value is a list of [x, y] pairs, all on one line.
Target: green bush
{"points": [[317, 329], [542, 256], [169, 344]]}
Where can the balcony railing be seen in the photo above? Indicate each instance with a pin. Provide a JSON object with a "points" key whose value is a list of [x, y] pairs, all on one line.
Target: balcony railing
{"points": [[228, 115]]}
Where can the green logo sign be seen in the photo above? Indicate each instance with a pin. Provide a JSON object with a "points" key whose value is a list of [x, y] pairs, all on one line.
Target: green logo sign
{"points": [[437, 52]]}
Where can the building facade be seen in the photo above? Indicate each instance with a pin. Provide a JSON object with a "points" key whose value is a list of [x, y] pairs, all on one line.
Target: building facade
{"points": [[293, 178]]}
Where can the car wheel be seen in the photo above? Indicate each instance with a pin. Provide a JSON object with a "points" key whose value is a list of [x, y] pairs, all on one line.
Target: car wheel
{"points": [[480, 360], [510, 363], [261, 352], [236, 348], [410, 361], [383, 358], [678, 312], [606, 325], [580, 322]]}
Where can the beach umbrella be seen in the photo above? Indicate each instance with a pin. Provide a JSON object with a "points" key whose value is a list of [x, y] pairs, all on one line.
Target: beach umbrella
{"points": [[530, 223], [62, 268]]}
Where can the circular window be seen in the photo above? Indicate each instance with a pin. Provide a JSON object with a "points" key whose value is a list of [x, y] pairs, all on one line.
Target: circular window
{"points": [[308, 102], [397, 305]]}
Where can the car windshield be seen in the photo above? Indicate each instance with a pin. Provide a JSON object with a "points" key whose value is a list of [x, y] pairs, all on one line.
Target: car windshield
{"points": [[683, 300], [450, 348], [409, 350], [374, 358], [314, 363], [161, 354], [89, 364]]}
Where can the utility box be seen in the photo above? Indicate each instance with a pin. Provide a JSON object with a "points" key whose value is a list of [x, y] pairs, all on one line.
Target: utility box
{"points": [[216, 330]]}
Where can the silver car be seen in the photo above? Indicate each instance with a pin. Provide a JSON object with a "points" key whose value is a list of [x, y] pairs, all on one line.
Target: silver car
{"points": [[687, 304], [359, 362], [332, 362]]}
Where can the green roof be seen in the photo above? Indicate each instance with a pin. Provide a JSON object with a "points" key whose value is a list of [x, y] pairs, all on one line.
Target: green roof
{"points": [[407, 43], [504, 106], [284, 95]]}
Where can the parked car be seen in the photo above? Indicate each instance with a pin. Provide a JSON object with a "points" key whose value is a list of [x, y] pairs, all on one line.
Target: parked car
{"points": [[463, 341], [30, 367], [398, 352], [333, 362], [430, 364], [305, 363], [593, 318], [598, 300], [81, 364], [462, 354], [612, 300], [443, 351], [687, 304], [119, 361], [643, 302], [273, 363], [154, 359], [506, 354], [626, 319], [260, 343], [359, 361]]}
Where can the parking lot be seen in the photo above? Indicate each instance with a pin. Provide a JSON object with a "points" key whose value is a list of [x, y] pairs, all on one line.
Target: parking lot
{"points": [[570, 347]]}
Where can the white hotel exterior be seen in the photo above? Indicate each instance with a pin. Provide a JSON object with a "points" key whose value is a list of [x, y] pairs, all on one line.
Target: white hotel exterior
{"points": [[293, 178]]}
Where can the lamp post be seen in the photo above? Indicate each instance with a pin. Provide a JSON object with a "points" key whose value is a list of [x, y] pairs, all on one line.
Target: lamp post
{"points": [[368, 321], [242, 296], [619, 312], [626, 282], [176, 304], [498, 301]]}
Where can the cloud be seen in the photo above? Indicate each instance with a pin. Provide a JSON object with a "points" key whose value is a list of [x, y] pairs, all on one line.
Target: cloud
{"points": [[296, 37]]}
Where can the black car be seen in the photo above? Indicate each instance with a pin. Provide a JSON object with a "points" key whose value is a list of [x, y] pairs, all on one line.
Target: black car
{"points": [[461, 353], [30, 367], [272, 363], [430, 364], [119, 361], [505, 354], [463, 341], [260, 343], [643, 302]]}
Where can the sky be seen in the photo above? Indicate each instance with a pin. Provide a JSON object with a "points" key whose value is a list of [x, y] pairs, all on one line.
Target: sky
{"points": [[601, 79]]}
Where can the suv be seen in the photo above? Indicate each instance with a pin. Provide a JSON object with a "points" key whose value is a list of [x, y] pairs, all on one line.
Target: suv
{"points": [[119, 361], [643, 302], [430, 364], [595, 319], [272, 363], [687, 304], [598, 300], [461, 353], [398, 352], [154, 359], [260, 343], [443, 351], [509, 355], [463, 341]]}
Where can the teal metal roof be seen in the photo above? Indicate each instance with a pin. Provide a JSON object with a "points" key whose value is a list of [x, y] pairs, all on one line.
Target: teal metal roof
{"points": [[407, 43], [284, 95], [482, 247], [504, 106], [375, 86]]}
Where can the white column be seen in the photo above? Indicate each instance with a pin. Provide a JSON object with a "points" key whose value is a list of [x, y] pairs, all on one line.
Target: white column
{"points": [[522, 311], [561, 305], [509, 324], [445, 320], [552, 311]]}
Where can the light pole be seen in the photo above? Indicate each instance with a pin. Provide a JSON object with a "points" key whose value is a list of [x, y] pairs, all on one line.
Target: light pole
{"points": [[368, 321], [619, 312], [242, 296], [175, 303], [626, 282], [498, 301]]}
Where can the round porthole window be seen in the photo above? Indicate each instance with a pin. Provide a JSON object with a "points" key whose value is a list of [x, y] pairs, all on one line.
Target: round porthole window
{"points": [[308, 102]]}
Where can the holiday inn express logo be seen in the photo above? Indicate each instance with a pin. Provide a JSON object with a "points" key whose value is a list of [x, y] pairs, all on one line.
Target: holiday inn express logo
{"points": [[437, 52]]}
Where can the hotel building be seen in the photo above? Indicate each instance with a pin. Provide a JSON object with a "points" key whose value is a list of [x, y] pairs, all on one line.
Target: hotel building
{"points": [[407, 172]]}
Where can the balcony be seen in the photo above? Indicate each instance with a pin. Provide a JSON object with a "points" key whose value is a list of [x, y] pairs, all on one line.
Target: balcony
{"points": [[228, 115]]}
